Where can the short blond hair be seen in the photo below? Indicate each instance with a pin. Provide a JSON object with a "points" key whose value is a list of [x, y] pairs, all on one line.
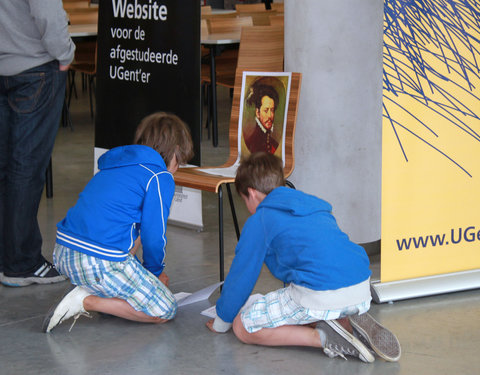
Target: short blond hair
{"points": [[167, 134], [261, 171]]}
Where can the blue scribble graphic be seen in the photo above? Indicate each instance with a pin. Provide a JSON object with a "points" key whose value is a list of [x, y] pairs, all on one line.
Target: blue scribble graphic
{"points": [[418, 33]]}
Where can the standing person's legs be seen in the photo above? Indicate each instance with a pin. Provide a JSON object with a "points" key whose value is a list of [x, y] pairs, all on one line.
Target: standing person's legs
{"points": [[36, 98]]}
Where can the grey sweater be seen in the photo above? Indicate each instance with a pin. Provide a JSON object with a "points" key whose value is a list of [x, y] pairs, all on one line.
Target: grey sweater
{"points": [[32, 33]]}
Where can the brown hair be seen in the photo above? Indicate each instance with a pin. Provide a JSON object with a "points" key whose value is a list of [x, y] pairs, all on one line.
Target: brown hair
{"points": [[167, 134], [261, 171]]}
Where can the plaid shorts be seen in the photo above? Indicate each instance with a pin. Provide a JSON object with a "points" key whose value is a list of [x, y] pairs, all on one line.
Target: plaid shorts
{"points": [[277, 308], [127, 280]]}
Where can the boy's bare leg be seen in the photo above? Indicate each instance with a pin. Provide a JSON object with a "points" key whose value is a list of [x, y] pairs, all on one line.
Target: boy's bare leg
{"points": [[305, 335], [342, 344], [118, 307], [279, 336]]}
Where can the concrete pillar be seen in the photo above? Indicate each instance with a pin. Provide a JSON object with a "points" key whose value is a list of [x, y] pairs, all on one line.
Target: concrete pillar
{"points": [[337, 46]]}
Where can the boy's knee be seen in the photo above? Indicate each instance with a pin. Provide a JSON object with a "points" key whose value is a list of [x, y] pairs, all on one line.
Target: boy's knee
{"points": [[241, 333], [169, 313]]}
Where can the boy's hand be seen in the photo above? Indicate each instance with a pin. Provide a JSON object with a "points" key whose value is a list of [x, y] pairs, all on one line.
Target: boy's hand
{"points": [[209, 324], [164, 278], [136, 245]]}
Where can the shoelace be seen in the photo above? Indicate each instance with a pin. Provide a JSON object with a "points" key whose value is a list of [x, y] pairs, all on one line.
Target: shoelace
{"points": [[335, 350], [75, 317]]}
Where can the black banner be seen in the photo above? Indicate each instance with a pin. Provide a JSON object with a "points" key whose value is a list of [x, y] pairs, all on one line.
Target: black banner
{"points": [[148, 61]]}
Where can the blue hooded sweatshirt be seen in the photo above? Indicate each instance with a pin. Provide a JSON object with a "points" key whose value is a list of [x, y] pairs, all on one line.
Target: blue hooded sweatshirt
{"points": [[131, 193], [298, 238]]}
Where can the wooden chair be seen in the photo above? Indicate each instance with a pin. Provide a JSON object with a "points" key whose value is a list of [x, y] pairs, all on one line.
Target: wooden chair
{"points": [[261, 48], [85, 62], [204, 32], [255, 7], [260, 18], [226, 62], [208, 16], [196, 179], [78, 4], [205, 9], [279, 7], [83, 16], [277, 20], [229, 24]]}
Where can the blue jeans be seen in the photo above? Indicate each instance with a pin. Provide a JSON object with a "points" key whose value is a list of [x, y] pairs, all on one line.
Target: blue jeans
{"points": [[30, 109]]}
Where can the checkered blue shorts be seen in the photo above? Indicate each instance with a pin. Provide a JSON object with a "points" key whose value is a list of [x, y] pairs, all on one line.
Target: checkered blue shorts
{"points": [[277, 308], [127, 280]]}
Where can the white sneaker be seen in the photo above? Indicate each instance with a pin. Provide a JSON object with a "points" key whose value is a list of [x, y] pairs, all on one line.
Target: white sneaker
{"points": [[70, 306], [340, 342]]}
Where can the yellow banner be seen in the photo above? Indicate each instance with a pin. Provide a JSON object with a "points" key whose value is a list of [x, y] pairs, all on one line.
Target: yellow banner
{"points": [[431, 138]]}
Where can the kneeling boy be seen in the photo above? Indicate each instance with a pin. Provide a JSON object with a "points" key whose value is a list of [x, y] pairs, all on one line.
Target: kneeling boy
{"points": [[299, 240], [130, 197]]}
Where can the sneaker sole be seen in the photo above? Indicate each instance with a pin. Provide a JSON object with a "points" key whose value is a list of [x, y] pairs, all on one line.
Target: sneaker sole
{"points": [[365, 354], [382, 341], [19, 282]]}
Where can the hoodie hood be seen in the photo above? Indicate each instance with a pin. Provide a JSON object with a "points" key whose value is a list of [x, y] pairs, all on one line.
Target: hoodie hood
{"points": [[295, 202], [130, 155]]}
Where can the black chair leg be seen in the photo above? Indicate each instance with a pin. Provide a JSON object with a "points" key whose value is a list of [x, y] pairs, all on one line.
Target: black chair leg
{"points": [[49, 180], [66, 120], [221, 247], [209, 109], [202, 99], [234, 215], [220, 233], [91, 92], [72, 88]]}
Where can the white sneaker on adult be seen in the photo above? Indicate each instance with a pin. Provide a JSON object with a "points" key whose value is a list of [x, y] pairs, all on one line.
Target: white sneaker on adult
{"points": [[70, 306], [339, 342]]}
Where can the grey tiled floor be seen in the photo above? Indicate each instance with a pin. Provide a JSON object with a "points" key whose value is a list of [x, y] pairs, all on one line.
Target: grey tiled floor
{"points": [[439, 334]]}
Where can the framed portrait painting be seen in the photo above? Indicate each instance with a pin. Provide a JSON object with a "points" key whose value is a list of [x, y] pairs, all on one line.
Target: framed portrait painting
{"points": [[263, 108]]}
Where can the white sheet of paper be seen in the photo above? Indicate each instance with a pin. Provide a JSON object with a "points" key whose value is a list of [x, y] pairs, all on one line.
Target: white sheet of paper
{"points": [[225, 172], [184, 298], [212, 313]]}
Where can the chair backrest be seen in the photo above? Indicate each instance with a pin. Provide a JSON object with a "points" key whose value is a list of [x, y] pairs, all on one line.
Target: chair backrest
{"points": [[206, 9], [78, 4], [261, 49], [289, 160], [256, 7], [85, 52], [203, 27], [83, 16], [279, 7], [219, 15], [228, 25], [260, 18], [277, 20]]}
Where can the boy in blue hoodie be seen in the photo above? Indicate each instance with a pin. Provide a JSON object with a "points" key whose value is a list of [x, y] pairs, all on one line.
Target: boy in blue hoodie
{"points": [[130, 196], [328, 295]]}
